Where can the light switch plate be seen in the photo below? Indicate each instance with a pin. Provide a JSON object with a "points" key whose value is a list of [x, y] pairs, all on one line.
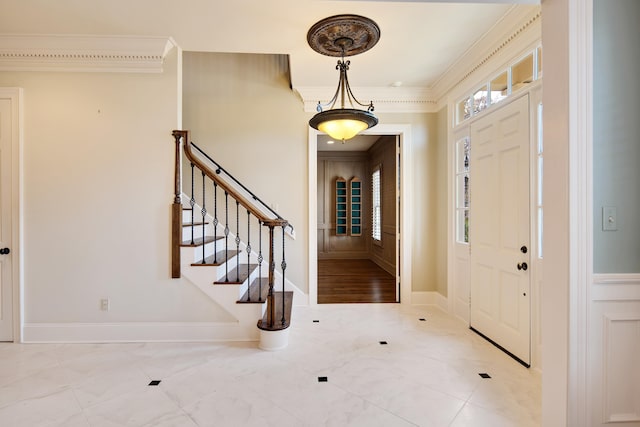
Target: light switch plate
{"points": [[609, 218]]}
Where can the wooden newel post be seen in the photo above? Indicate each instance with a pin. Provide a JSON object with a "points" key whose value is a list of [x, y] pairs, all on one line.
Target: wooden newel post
{"points": [[271, 306], [176, 207]]}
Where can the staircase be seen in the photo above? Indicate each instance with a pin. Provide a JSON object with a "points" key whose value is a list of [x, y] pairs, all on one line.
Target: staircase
{"points": [[233, 263]]}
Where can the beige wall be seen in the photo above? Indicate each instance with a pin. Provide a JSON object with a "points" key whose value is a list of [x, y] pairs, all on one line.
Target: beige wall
{"points": [[98, 175], [424, 146], [383, 153], [241, 111], [441, 159]]}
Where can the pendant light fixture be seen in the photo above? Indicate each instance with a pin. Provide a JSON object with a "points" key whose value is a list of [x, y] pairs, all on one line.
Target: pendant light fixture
{"points": [[343, 36]]}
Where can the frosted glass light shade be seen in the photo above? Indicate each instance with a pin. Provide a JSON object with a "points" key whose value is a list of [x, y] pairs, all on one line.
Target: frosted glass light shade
{"points": [[342, 129], [343, 123]]}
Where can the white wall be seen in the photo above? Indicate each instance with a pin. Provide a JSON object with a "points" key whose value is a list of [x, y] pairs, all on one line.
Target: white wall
{"points": [[98, 172]]}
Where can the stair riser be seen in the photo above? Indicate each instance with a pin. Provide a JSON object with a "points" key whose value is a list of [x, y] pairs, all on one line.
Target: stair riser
{"points": [[194, 255], [197, 229], [197, 232], [242, 289], [225, 295], [209, 274]]}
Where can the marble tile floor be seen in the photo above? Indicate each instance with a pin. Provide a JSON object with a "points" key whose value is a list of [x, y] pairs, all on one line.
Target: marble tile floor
{"points": [[427, 374]]}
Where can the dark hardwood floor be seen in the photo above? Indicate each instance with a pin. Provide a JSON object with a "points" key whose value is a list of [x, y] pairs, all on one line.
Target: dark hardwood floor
{"points": [[354, 281]]}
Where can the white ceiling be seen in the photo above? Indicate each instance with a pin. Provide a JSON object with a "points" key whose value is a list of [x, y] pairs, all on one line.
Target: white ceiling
{"points": [[358, 143], [419, 40]]}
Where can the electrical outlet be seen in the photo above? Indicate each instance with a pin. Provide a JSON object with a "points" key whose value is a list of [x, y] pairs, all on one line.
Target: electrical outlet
{"points": [[104, 304]]}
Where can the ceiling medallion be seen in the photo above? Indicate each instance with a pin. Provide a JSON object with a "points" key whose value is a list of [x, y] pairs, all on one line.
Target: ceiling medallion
{"points": [[342, 36]]}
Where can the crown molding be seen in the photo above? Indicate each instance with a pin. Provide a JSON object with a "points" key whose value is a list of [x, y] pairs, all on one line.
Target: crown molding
{"points": [[83, 53], [385, 99], [517, 31]]}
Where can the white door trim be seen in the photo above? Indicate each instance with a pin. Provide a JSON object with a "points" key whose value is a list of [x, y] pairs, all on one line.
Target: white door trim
{"points": [[568, 135], [16, 96], [406, 216]]}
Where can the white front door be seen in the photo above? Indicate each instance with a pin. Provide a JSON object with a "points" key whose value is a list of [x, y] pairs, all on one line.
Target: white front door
{"points": [[6, 286], [499, 230]]}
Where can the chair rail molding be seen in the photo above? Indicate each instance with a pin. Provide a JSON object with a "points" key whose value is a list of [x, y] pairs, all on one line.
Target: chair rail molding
{"points": [[84, 53]]}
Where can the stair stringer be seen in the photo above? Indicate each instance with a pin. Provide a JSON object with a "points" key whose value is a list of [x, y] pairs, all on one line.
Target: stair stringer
{"points": [[226, 296]]}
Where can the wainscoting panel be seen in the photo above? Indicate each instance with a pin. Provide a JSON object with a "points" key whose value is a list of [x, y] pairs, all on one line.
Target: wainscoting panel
{"points": [[615, 350], [621, 382]]}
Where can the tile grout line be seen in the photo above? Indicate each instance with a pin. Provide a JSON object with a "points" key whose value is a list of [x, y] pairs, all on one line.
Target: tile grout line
{"points": [[375, 404]]}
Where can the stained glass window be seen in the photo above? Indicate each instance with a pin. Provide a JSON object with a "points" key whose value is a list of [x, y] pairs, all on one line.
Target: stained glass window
{"points": [[480, 101], [462, 190]]}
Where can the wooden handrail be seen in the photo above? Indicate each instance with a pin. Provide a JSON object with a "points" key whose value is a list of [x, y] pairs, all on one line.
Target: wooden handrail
{"points": [[181, 136], [246, 203]]}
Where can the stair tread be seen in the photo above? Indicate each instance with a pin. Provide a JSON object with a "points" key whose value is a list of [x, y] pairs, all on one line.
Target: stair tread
{"points": [[237, 276], [218, 260], [198, 241], [277, 323], [258, 294]]}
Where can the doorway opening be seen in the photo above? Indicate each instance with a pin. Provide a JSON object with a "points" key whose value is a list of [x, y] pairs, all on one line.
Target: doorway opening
{"points": [[357, 211], [404, 212]]}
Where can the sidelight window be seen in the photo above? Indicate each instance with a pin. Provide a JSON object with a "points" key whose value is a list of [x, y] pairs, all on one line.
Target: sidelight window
{"points": [[462, 190], [539, 204]]}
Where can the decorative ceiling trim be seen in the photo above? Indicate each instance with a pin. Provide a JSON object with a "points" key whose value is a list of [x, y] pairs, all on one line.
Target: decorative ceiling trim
{"points": [[494, 48], [82, 53], [343, 35], [386, 100]]}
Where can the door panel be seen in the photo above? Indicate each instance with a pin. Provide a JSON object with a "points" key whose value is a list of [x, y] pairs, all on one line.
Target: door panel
{"points": [[499, 227]]}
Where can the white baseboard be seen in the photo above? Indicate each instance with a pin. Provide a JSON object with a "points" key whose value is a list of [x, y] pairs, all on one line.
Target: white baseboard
{"points": [[137, 332], [430, 298]]}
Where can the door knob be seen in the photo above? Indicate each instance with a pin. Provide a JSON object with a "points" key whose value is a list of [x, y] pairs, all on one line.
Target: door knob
{"points": [[4, 251], [523, 266], [523, 249]]}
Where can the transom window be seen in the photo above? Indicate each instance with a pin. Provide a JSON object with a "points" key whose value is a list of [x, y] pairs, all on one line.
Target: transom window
{"points": [[507, 82]]}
